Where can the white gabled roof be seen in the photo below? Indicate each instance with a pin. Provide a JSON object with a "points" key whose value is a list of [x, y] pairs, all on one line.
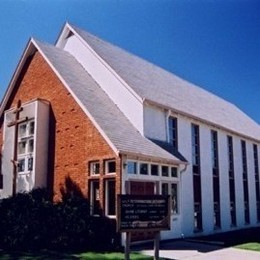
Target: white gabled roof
{"points": [[156, 85]]}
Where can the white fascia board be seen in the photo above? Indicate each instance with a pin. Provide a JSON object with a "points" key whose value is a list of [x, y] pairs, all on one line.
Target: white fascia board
{"points": [[29, 50], [77, 100], [105, 64], [62, 36]]}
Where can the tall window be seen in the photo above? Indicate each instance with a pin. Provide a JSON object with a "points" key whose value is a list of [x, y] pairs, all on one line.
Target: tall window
{"points": [[215, 172], [172, 190], [195, 142], [245, 182], [25, 147], [173, 132], [94, 197], [110, 197], [257, 187], [231, 174]]}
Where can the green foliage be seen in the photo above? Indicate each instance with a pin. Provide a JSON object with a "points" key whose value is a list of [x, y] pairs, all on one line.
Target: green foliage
{"points": [[254, 246], [31, 221]]}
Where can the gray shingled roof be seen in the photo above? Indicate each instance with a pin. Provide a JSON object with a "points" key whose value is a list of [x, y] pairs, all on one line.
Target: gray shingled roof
{"points": [[157, 85], [117, 128]]}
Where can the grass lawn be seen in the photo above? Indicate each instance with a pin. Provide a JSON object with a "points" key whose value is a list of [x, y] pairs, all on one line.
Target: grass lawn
{"points": [[250, 246], [112, 256], [48, 255]]}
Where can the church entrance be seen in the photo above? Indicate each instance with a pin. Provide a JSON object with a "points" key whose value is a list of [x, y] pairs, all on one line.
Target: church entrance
{"points": [[142, 188]]}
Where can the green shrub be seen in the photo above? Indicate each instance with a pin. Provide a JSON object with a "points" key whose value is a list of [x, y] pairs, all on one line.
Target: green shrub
{"points": [[30, 221]]}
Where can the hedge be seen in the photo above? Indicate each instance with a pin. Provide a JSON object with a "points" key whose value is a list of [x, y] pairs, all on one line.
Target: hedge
{"points": [[31, 221]]}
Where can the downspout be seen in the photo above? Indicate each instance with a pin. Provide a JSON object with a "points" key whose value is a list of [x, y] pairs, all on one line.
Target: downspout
{"points": [[181, 172], [168, 113]]}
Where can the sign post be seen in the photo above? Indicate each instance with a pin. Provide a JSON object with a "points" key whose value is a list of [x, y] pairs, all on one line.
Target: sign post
{"points": [[143, 213]]}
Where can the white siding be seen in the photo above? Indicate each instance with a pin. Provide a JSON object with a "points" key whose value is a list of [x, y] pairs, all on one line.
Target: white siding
{"points": [[155, 123], [238, 181], [42, 140], [251, 182], [156, 127], [206, 179], [224, 181], [184, 136]]}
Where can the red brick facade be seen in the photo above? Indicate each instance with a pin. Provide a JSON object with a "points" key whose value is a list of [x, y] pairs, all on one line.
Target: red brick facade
{"points": [[74, 139]]}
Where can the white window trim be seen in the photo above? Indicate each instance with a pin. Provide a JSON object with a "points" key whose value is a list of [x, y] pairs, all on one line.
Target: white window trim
{"points": [[92, 172]]}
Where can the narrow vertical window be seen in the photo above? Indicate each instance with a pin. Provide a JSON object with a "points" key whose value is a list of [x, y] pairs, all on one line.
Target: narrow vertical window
{"points": [[174, 197], [245, 182], [195, 142], [172, 190], [173, 132], [110, 197], [231, 175], [215, 174], [94, 197], [257, 184]]}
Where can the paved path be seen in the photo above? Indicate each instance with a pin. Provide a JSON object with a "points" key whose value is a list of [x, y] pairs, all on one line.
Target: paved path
{"points": [[200, 251]]}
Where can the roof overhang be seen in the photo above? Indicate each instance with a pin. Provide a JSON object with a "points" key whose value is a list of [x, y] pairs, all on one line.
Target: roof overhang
{"points": [[140, 156]]}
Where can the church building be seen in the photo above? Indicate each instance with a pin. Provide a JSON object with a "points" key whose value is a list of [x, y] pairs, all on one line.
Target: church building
{"points": [[113, 123]]}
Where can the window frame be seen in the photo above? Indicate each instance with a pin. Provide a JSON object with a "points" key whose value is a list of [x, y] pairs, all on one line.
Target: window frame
{"points": [[107, 197], [92, 168], [173, 131], [107, 162], [27, 137], [135, 163], [147, 168], [169, 184]]}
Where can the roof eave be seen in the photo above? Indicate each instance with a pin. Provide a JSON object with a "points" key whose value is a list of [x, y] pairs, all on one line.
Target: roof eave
{"points": [[153, 158], [154, 103]]}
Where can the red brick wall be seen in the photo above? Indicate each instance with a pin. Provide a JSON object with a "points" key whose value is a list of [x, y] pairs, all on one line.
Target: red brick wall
{"points": [[77, 141]]}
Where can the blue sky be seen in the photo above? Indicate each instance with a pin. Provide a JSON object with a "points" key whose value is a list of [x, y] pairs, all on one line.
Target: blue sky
{"points": [[214, 44]]}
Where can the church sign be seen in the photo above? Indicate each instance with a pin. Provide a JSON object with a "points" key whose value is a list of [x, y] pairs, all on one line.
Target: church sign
{"points": [[143, 212]]}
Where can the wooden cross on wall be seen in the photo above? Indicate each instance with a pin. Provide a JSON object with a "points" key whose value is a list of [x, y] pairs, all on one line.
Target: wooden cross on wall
{"points": [[16, 123]]}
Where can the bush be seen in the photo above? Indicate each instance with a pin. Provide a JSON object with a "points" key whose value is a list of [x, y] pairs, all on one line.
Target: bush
{"points": [[30, 221]]}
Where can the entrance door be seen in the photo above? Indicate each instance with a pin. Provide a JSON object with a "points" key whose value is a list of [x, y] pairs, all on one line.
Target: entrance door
{"points": [[142, 188]]}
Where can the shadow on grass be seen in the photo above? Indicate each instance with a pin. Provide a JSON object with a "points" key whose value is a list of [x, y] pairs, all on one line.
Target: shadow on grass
{"points": [[39, 255], [48, 255]]}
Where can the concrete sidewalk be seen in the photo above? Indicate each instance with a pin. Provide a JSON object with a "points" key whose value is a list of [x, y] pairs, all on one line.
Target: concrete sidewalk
{"points": [[182, 249]]}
